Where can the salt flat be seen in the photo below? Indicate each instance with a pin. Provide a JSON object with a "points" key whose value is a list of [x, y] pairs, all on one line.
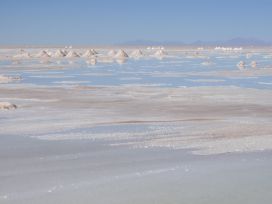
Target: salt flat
{"points": [[90, 131]]}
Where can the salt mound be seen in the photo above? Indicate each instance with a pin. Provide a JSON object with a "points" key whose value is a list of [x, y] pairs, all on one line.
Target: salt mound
{"points": [[94, 51], [241, 65], [137, 53], [7, 79], [112, 53], [4, 79], [121, 54], [253, 64], [72, 54], [7, 106], [60, 53], [43, 54], [161, 53], [89, 53]]}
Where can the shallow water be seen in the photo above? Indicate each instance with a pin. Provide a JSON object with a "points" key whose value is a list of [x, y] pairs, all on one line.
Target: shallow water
{"points": [[176, 70]]}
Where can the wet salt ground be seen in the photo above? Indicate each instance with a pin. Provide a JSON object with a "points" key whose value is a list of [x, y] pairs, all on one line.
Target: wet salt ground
{"points": [[168, 72], [35, 171]]}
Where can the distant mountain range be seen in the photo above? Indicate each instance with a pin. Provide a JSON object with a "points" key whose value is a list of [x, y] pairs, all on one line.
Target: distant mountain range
{"points": [[232, 42]]}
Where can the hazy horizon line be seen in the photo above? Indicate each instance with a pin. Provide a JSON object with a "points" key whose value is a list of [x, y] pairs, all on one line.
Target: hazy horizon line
{"points": [[238, 41]]}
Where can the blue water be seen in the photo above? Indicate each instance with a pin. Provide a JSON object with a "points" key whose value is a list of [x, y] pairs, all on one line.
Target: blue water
{"points": [[169, 72]]}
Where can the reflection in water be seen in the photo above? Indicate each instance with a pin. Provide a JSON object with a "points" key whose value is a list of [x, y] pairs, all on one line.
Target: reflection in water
{"points": [[121, 60], [92, 61], [45, 61]]}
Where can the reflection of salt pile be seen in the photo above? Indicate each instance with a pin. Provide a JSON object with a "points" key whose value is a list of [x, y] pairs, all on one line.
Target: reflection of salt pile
{"points": [[253, 64], [105, 60], [112, 53], [43, 54], [241, 65], [160, 53], [121, 54], [22, 55], [248, 55], [89, 53], [46, 61], [121, 60], [137, 54], [72, 54], [92, 61], [7, 106], [60, 53], [207, 63]]}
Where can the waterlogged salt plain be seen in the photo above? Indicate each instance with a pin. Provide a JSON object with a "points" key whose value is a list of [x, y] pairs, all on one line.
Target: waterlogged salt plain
{"points": [[186, 126]]}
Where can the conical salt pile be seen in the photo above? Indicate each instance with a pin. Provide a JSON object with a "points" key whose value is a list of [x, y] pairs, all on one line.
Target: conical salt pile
{"points": [[94, 51], [121, 54], [43, 54], [160, 53], [137, 53], [5, 79], [253, 64], [60, 53], [7, 106], [112, 53], [241, 65], [72, 54], [88, 53]]}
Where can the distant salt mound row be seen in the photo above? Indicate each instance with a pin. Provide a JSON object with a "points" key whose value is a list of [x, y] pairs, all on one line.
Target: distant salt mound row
{"points": [[229, 49], [7, 106], [161, 53], [121, 54], [89, 53], [43, 54], [7, 79], [60, 53], [136, 54], [112, 53], [72, 54]]}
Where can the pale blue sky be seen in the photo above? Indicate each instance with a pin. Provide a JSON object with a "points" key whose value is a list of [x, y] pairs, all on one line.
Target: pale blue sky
{"points": [[106, 22]]}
